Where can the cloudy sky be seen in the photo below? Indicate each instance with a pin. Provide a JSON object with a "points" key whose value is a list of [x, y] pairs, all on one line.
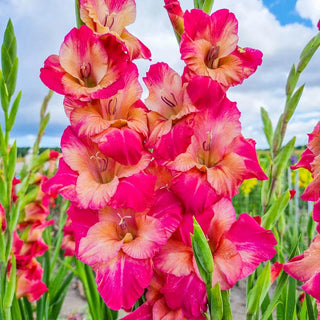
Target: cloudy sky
{"points": [[279, 28]]}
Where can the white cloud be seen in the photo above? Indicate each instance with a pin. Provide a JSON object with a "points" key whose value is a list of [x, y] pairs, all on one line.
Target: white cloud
{"points": [[309, 9]]}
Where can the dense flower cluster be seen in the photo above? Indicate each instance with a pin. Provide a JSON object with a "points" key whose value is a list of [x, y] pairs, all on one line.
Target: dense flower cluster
{"points": [[28, 243], [306, 267], [137, 172]]}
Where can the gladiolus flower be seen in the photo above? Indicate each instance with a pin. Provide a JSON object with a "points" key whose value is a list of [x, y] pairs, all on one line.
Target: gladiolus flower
{"points": [[112, 16], [218, 153], [176, 17], [124, 109], [121, 245], [171, 107], [310, 160], [99, 179], [209, 48], [306, 268], [88, 67], [29, 283]]}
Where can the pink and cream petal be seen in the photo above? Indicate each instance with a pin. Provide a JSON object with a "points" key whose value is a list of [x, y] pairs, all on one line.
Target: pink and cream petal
{"points": [[122, 280]]}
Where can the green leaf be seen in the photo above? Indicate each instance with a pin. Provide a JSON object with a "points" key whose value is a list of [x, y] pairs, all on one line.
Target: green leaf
{"points": [[196, 4], [13, 111], [12, 77], [216, 303], [4, 95], [282, 158], [207, 6], [3, 192], [44, 123], [291, 300], [9, 60], [310, 307], [227, 312], [277, 138], [271, 217], [40, 160], [258, 292], [291, 81], [292, 103], [12, 161], [11, 284], [3, 147], [281, 283], [267, 126], [308, 52], [202, 252]]}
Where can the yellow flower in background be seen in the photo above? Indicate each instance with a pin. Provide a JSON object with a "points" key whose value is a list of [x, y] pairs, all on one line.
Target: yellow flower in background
{"points": [[304, 177], [248, 185]]}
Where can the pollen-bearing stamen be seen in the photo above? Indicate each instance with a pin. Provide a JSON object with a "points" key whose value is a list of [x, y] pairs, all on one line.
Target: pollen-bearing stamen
{"points": [[170, 101], [211, 60], [112, 106], [101, 162], [124, 231], [85, 70], [206, 145]]}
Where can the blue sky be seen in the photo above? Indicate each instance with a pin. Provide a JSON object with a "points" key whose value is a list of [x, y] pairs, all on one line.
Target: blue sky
{"points": [[286, 12], [279, 29]]}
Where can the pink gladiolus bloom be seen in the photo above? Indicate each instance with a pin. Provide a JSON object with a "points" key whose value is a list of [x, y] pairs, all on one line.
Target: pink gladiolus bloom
{"points": [[29, 283], [318, 25], [219, 158], [124, 109], [3, 222], [276, 268], [88, 67], [176, 16], [156, 307], [310, 160], [68, 241], [306, 268], [121, 245], [209, 47], [169, 120], [101, 179], [238, 246], [112, 16]]}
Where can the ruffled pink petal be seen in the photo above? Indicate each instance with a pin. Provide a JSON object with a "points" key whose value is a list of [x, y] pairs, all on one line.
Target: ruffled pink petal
{"points": [[175, 258], [135, 47], [187, 292], [227, 265], [101, 243], [144, 312], [167, 94], [52, 73], [220, 28], [175, 142], [194, 191], [123, 145], [150, 236], [122, 280], [92, 194], [305, 266], [82, 221], [63, 182], [312, 286], [167, 208], [134, 192], [161, 311], [254, 243], [223, 217]]}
